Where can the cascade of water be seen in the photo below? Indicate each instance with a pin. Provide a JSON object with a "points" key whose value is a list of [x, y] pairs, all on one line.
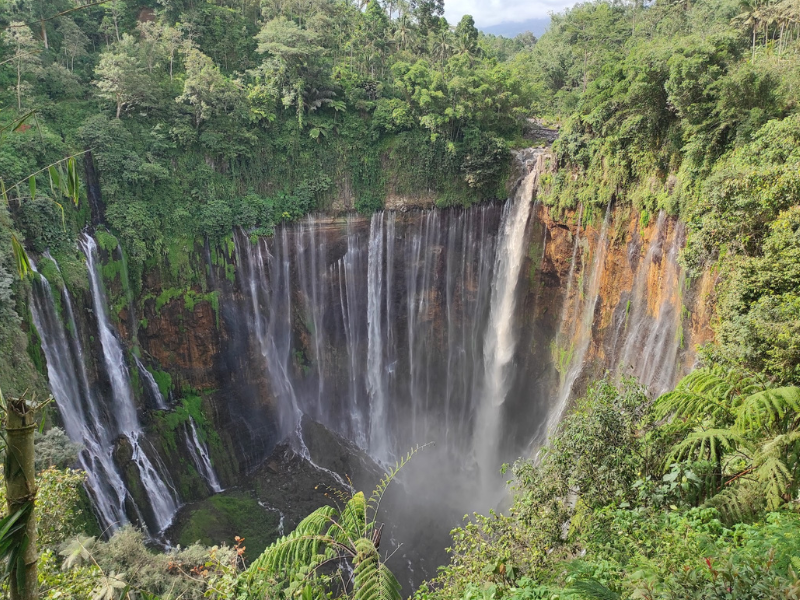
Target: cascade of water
{"points": [[152, 387], [77, 404], [396, 324], [501, 341], [162, 500], [200, 458], [650, 338], [264, 278], [349, 276], [197, 451], [582, 336], [376, 368]]}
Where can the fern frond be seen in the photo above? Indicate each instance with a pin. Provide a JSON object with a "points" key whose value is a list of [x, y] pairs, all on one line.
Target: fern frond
{"points": [[776, 480], [307, 545], [372, 579], [377, 494], [769, 409], [705, 444], [594, 590], [707, 392], [352, 522], [739, 503]]}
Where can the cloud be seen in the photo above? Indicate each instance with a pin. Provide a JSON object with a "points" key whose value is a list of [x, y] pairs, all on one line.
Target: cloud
{"points": [[495, 12]]}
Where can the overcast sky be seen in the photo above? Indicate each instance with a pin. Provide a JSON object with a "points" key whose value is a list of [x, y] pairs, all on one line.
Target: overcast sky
{"points": [[489, 13]]}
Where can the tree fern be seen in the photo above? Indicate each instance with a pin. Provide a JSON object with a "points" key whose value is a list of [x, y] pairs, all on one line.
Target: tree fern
{"points": [[308, 545], [738, 503], [707, 393], [372, 580], [773, 410], [352, 522], [705, 444]]}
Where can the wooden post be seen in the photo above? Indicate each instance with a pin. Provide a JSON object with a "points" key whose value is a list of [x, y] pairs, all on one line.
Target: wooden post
{"points": [[21, 489]]}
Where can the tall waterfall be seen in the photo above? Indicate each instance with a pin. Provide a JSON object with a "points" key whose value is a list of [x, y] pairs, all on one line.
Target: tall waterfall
{"points": [[501, 340], [466, 327], [163, 500], [95, 422], [78, 405], [396, 330]]}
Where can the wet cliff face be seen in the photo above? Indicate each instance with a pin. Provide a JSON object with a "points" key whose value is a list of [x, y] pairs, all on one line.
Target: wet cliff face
{"points": [[378, 327], [471, 328]]}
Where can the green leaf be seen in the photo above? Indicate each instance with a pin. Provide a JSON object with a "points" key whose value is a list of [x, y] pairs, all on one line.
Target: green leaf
{"points": [[32, 187], [21, 257], [73, 183], [55, 179]]}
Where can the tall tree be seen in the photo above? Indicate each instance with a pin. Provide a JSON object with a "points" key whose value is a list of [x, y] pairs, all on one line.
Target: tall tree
{"points": [[121, 77], [26, 54], [74, 42]]}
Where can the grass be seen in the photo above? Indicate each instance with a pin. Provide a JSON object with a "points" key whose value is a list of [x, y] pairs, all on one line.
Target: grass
{"points": [[218, 519]]}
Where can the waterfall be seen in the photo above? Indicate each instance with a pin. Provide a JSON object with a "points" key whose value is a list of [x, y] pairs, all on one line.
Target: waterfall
{"points": [[581, 335], [376, 367], [651, 329], [397, 329], [500, 336], [163, 501], [199, 454], [394, 330], [78, 406], [501, 340], [152, 387]]}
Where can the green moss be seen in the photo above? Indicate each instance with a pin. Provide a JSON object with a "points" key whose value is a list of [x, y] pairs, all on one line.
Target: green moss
{"points": [[164, 381], [223, 516], [106, 241], [166, 296]]}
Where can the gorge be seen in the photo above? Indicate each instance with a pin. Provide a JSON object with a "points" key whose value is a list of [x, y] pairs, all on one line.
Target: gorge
{"points": [[468, 328]]}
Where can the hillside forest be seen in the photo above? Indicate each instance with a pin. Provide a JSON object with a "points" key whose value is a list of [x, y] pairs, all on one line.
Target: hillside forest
{"points": [[187, 119]]}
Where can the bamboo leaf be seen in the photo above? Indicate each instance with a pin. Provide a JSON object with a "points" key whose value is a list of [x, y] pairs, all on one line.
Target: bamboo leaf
{"points": [[74, 184], [21, 257], [55, 179], [32, 187]]}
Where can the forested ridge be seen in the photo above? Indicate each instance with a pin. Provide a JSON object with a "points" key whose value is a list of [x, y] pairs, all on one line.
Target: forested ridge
{"points": [[199, 117], [202, 116]]}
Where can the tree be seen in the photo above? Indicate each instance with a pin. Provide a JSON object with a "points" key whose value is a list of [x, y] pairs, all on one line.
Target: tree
{"points": [[427, 13], [121, 77], [26, 54], [206, 89], [292, 63], [467, 36], [162, 40], [74, 41]]}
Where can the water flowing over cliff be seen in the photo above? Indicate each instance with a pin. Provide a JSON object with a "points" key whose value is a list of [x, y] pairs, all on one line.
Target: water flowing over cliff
{"points": [[471, 328]]}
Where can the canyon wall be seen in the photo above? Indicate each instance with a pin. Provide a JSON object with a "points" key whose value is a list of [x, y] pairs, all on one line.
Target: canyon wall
{"points": [[471, 328]]}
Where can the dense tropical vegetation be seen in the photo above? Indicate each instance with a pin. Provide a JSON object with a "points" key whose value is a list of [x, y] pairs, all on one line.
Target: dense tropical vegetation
{"points": [[204, 115]]}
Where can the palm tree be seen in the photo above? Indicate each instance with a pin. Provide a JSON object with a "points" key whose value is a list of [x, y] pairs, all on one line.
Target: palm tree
{"points": [[443, 46], [403, 33]]}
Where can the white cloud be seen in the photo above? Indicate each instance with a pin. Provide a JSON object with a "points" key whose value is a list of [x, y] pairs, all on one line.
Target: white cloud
{"points": [[493, 12]]}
